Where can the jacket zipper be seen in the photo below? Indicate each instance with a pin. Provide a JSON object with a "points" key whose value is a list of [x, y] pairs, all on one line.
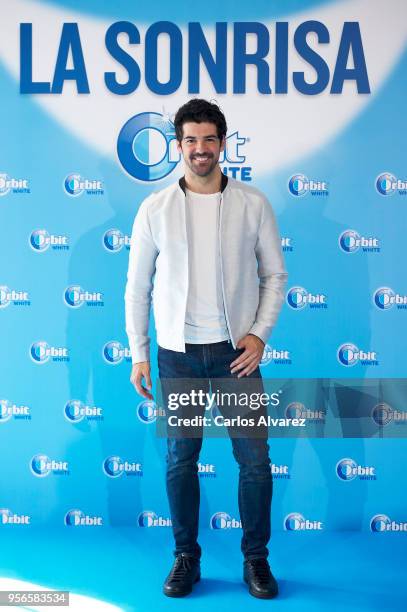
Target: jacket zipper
{"points": [[221, 271], [187, 258]]}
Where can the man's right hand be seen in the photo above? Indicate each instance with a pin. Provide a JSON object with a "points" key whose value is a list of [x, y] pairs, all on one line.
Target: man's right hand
{"points": [[139, 371]]}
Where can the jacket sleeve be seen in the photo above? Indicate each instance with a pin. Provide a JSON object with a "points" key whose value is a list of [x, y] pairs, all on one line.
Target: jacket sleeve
{"points": [[272, 275], [139, 286]]}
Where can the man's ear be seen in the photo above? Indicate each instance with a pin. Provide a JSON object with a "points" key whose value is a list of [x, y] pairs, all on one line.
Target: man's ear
{"points": [[223, 143], [179, 148]]}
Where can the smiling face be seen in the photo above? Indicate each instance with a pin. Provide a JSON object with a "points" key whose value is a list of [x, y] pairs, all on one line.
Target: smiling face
{"points": [[200, 147]]}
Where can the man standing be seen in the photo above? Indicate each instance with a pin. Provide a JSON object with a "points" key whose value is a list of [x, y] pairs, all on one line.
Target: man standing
{"points": [[209, 246]]}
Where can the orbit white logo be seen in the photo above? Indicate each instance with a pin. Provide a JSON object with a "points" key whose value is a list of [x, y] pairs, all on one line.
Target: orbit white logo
{"points": [[299, 185], [12, 296], [387, 184], [347, 469], [297, 522], [9, 410], [222, 520], [40, 241], [385, 298], [297, 410], [75, 185], [75, 411], [114, 467], [7, 517], [298, 298], [41, 352], [77, 518], [280, 472], [350, 241], [114, 352], [381, 523], [276, 356], [75, 296], [147, 151], [383, 414], [287, 244], [148, 411], [349, 354], [9, 184], [42, 465], [148, 518], [114, 240], [206, 470]]}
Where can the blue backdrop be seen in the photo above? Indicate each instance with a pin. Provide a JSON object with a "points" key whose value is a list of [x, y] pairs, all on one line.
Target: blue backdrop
{"points": [[316, 118]]}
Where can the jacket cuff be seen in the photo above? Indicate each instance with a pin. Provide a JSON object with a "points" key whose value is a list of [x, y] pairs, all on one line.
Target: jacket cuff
{"points": [[140, 351], [260, 331]]}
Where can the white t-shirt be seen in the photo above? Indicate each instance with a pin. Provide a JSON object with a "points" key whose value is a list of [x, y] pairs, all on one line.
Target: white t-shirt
{"points": [[205, 320]]}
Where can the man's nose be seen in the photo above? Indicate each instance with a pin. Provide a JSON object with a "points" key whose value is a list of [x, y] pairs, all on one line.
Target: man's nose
{"points": [[202, 147], [201, 144]]}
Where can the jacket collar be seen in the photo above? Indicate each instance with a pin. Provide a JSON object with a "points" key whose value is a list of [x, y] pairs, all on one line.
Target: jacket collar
{"points": [[224, 182]]}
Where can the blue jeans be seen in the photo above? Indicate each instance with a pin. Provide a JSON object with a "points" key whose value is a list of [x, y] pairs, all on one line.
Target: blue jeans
{"points": [[208, 362]]}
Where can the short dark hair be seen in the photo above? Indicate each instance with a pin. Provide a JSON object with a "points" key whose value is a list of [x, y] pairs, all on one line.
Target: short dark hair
{"points": [[198, 110]]}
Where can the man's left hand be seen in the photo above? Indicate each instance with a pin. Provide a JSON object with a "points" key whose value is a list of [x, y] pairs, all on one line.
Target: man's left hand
{"points": [[248, 361]]}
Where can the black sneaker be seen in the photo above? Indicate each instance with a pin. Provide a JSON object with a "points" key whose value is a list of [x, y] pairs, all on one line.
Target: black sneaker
{"points": [[183, 575], [258, 576]]}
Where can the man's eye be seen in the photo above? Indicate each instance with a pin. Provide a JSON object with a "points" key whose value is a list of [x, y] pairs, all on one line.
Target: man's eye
{"points": [[189, 140]]}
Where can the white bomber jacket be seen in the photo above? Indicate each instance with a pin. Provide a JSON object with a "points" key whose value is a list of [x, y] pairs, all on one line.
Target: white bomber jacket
{"points": [[252, 267]]}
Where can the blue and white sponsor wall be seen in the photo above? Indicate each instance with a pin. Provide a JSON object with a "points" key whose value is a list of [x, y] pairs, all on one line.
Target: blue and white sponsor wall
{"points": [[314, 95]]}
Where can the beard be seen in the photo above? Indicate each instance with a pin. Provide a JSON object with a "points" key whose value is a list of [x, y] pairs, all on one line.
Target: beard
{"points": [[202, 168]]}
